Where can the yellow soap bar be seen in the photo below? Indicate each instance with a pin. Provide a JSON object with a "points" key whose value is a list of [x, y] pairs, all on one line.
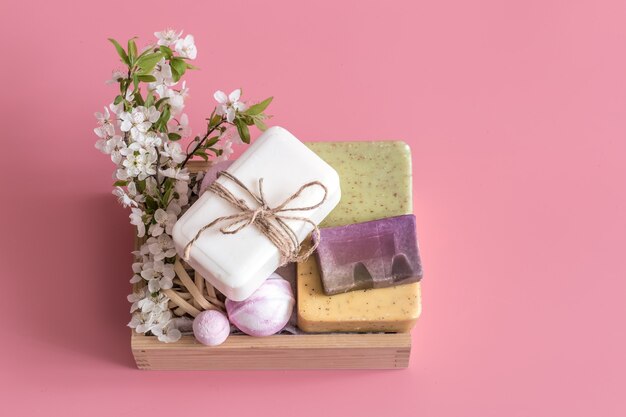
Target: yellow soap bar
{"points": [[392, 309], [375, 180]]}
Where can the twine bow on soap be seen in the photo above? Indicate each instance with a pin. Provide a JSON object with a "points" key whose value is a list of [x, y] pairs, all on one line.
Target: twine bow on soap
{"points": [[270, 221]]}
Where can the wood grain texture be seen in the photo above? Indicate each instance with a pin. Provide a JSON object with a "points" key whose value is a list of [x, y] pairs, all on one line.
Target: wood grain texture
{"points": [[308, 351], [319, 351]]}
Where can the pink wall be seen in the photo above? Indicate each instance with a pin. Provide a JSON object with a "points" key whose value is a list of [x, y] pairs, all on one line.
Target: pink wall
{"points": [[515, 112]]}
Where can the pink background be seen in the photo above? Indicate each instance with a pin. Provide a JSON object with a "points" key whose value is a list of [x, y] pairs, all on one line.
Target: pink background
{"points": [[515, 113]]}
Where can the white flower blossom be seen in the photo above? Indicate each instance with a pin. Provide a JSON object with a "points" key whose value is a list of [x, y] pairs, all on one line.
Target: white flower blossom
{"points": [[164, 223], [124, 198], [113, 146], [176, 97], [182, 190], [139, 120], [149, 140], [136, 218], [167, 37], [174, 151], [137, 268], [176, 173], [116, 77], [135, 297], [181, 126], [145, 321], [140, 160], [184, 324], [161, 247], [175, 205], [153, 303], [166, 332], [151, 186], [118, 108], [163, 74], [131, 190], [159, 275], [105, 129], [229, 105], [227, 151], [186, 47]]}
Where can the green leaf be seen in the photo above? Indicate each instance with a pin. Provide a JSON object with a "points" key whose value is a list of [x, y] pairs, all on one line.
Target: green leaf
{"points": [[138, 97], [120, 51], [151, 203], [160, 101], [260, 124], [215, 120], [166, 51], [135, 81], [147, 78], [120, 183], [118, 100], [161, 124], [202, 154], [173, 136], [175, 75], [242, 129], [246, 119], [147, 62], [149, 99], [179, 66], [259, 107], [211, 141], [141, 185], [132, 49], [168, 192]]}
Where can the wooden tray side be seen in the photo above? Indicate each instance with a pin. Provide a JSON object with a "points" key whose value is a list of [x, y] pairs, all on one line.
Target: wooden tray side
{"points": [[311, 351]]}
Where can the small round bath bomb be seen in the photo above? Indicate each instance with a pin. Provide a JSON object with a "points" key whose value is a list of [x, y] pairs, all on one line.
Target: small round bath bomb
{"points": [[211, 327], [211, 174], [266, 311]]}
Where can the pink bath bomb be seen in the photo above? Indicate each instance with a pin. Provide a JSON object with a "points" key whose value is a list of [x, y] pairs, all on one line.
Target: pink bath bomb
{"points": [[266, 311], [211, 174], [211, 327]]}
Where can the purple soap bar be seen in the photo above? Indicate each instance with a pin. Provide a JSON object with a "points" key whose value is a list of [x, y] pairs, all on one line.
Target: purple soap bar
{"points": [[374, 254]]}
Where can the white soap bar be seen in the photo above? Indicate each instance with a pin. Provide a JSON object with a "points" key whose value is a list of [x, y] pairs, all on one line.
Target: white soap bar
{"points": [[237, 264]]}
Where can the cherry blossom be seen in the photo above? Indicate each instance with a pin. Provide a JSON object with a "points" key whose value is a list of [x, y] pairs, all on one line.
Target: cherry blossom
{"points": [[229, 104], [124, 198], [167, 37], [186, 47]]}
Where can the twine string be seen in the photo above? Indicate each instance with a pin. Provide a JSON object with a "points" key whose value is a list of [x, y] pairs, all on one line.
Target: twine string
{"points": [[271, 221]]}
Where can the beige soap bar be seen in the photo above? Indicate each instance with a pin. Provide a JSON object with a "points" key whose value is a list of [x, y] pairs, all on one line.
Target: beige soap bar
{"points": [[392, 309], [375, 179]]}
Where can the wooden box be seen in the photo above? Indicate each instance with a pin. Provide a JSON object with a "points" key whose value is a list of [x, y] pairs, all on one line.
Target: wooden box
{"points": [[307, 351]]}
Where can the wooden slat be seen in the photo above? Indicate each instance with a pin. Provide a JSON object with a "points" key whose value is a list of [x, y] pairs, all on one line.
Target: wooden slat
{"points": [[327, 351]]}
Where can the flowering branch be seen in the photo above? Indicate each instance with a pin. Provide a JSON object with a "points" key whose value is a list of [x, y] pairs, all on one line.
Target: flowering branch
{"points": [[141, 131]]}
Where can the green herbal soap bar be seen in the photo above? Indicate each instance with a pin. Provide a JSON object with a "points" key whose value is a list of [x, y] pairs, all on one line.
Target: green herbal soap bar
{"points": [[375, 180], [391, 309]]}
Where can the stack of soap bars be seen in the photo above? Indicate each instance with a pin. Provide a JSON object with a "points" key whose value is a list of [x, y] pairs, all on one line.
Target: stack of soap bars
{"points": [[366, 271]]}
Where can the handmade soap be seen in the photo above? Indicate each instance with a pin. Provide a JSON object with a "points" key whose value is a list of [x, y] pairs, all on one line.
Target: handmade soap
{"points": [[374, 254], [237, 264], [375, 179], [392, 309]]}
